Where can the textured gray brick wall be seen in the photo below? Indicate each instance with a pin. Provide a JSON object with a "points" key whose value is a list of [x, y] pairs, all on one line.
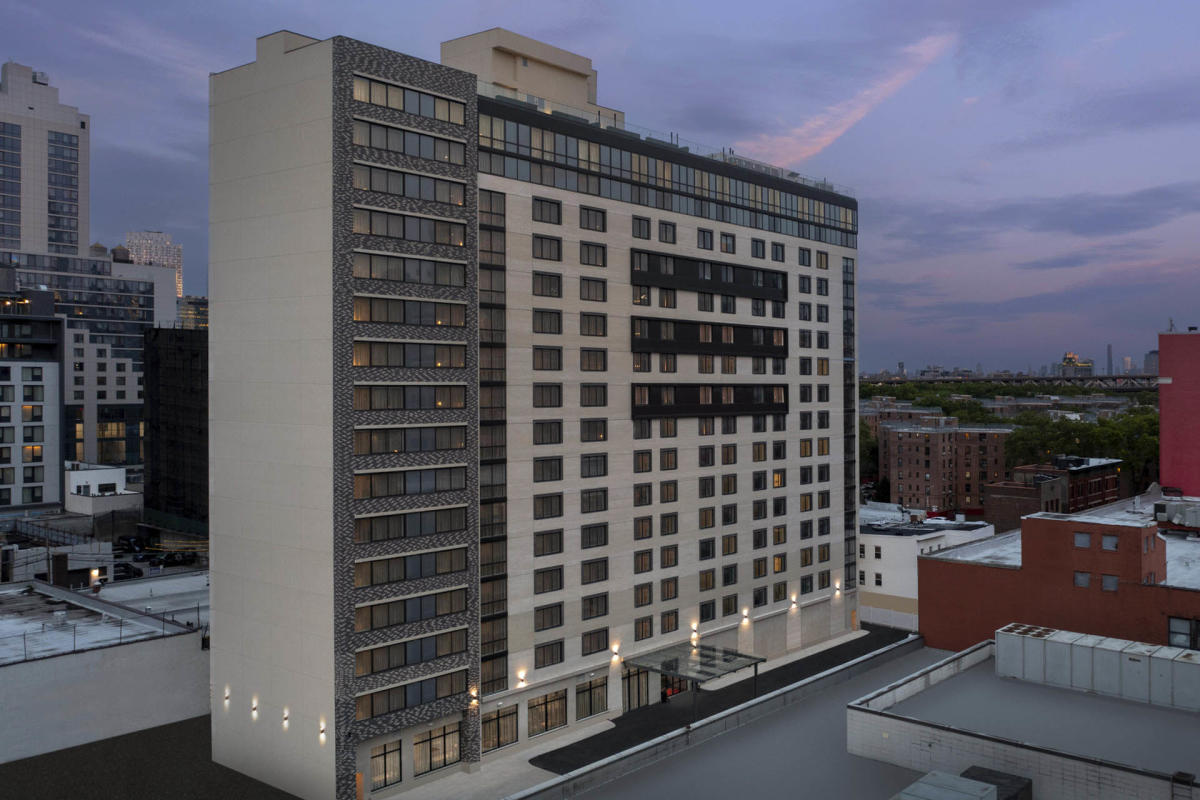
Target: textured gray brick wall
{"points": [[352, 57]]}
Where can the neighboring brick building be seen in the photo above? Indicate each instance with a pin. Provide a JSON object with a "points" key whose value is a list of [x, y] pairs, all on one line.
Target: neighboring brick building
{"points": [[1178, 401], [1069, 484], [1108, 573], [938, 464], [880, 409]]}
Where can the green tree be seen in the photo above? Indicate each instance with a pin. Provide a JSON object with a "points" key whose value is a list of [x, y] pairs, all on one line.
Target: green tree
{"points": [[868, 452]]}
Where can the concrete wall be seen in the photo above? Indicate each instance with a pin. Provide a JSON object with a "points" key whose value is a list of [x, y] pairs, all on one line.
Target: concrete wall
{"points": [[93, 505], [270, 397], [53, 703]]}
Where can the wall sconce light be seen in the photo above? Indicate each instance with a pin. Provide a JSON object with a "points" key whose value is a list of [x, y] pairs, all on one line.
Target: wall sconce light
{"points": [[95, 573], [793, 603], [616, 649], [746, 613], [521, 678], [321, 734], [695, 626], [226, 698], [254, 708], [285, 719]]}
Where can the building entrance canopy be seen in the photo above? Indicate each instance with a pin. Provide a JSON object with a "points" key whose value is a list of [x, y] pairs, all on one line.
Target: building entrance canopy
{"points": [[699, 662]]}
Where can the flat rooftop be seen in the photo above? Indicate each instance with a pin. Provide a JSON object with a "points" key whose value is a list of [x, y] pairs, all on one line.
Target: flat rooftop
{"points": [[1001, 550], [803, 745], [182, 595], [1079, 723], [37, 622]]}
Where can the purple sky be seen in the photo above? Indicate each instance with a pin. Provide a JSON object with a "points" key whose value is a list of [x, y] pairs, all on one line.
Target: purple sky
{"points": [[1027, 172]]}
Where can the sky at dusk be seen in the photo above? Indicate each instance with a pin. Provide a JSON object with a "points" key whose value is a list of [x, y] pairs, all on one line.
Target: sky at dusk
{"points": [[1028, 173]]}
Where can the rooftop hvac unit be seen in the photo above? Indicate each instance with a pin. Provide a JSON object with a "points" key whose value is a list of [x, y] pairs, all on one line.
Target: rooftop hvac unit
{"points": [[42, 78]]}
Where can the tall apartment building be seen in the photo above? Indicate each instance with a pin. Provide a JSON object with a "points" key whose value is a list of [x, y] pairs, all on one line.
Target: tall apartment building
{"points": [[43, 166], [156, 247], [193, 312], [31, 411], [502, 394], [939, 464]]}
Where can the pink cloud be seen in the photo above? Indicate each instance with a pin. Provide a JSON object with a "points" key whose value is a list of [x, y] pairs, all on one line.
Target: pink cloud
{"points": [[826, 127]]}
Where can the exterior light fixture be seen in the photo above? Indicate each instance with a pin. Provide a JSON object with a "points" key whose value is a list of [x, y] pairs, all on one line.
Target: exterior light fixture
{"points": [[746, 613], [285, 719], [616, 648], [695, 626], [226, 698], [321, 733], [521, 678], [254, 708], [95, 573]]}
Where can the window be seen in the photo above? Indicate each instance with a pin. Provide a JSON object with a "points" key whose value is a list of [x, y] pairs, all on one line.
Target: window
{"points": [[593, 324], [729, 605], [1083, 540], [546, 506], [704, 301], [593, 606], [641, 228], [669, 621], [1108, 542], [547, 543], [641, 363], [547, 358], [547, 248], [591, 697], [499, 728], [547, 469], [667, 363], [547, 211], [806, 312], [643, 494], [666, 299], [729, 544], [594, 289], [548, 711], [878, 579], [776, 251], [595, 641], [666, 232], [592, 219], [668, 491], [547, 617], [668, 524], [643, 628], [385, 764], [593, 360], [547, 395], [593, 255], [708, 611], [593, 430], [1108, 583], [593, 500], [593, 535], [547, 321], [728, 305], [643, 561], [708, 549], [547, 284], [593, 465], [594, 571], [668, 459], [708, 579], [436, 748], [704, 239], [547, 580], [1083, 579], [547, 432], [728, 243]]}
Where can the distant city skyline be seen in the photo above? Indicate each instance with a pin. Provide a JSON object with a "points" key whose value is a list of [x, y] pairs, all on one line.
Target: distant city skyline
{"points": [[1021, 168]]}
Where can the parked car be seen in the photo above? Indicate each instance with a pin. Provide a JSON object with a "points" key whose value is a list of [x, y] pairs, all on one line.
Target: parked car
{"points": [[158, 561], [141, 555], [123, 571]]}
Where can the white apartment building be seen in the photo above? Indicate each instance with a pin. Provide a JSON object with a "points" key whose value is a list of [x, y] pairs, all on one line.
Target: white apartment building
{"points": [[156, 247], [43, 166], [503, 394]]}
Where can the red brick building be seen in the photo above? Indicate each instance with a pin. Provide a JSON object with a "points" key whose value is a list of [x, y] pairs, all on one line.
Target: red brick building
{"points": [[1109, 574], [938, 464], [1179, 410], [1070, 483]]}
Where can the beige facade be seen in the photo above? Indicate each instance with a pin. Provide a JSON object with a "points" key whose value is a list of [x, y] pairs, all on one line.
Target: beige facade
{"points": [[270, 425]]}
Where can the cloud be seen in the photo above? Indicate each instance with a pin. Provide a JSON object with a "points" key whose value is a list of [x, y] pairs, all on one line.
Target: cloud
{"points": [[928, 230], [1104, 254], [1128, 109], [826, 127]]}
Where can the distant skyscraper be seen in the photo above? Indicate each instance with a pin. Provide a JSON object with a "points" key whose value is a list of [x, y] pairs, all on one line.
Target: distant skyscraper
{"points": [[156, 247], [1150, 366], [193, 312], [43, 166], [1127, 364], [900, 368], [1109, 372]]}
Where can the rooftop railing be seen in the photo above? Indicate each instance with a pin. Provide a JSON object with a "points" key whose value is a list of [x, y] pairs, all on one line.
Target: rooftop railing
{"points": [[610, 119]]}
